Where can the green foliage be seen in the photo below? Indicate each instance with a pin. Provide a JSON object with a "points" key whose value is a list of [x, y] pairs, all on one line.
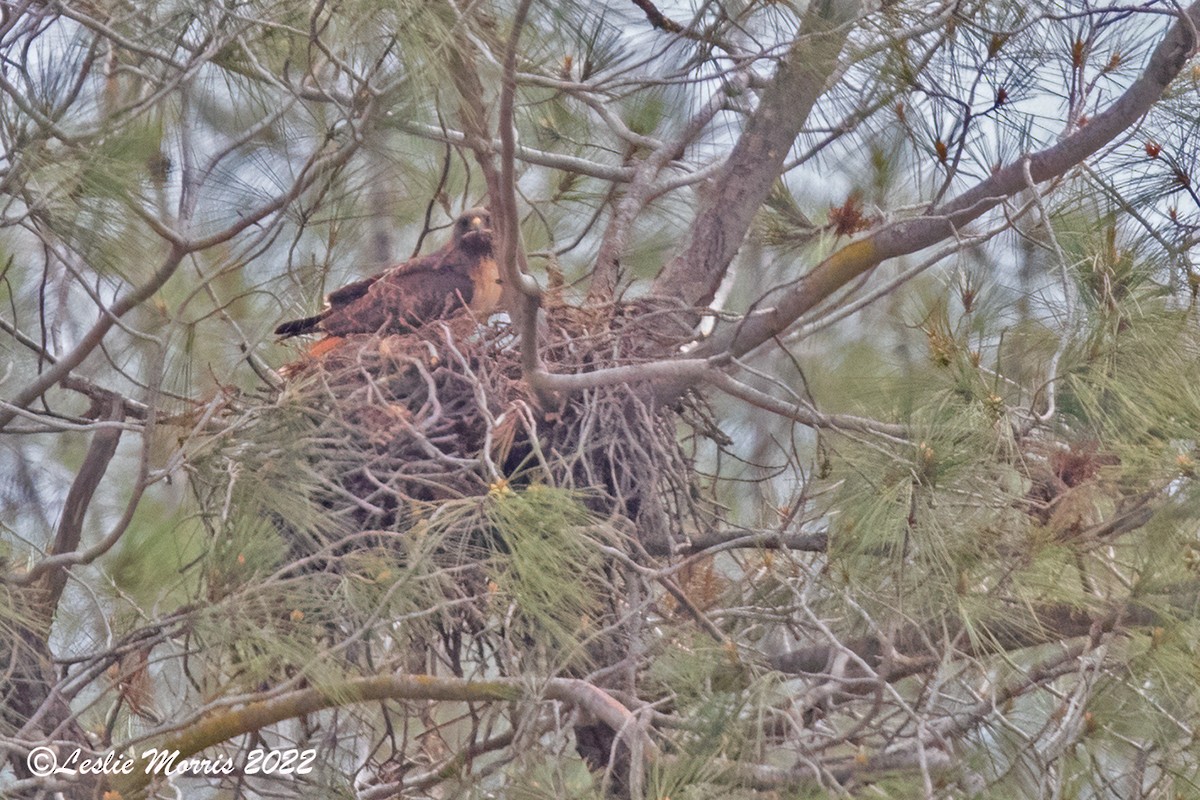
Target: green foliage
{"points": [[962, 526], [153, 562], [525, 561], [548, 567]]}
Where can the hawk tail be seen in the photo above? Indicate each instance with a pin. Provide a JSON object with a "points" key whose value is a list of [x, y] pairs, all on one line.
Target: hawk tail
{"points": [[299, 326], [318, 349], [315, 352]]}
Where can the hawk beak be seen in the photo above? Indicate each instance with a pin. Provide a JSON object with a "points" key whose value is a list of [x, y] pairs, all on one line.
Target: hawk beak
{"points": [[477, 223]]}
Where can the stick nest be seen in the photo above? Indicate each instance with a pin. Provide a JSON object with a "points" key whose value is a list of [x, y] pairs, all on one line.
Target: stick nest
{"points": [[394, 423]]}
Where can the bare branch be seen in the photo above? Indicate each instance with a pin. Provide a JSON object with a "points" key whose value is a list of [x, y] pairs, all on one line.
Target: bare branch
{"points": [[670, 376], [526, 299], [79, 498], [530, 155], [657, 18], [716, 541]]}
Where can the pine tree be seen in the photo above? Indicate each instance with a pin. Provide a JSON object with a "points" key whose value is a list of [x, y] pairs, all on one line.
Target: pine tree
{"points": [[838, 437]]}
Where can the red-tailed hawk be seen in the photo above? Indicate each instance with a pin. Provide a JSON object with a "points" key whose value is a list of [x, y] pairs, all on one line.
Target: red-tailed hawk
{"points": [[403, 298]]}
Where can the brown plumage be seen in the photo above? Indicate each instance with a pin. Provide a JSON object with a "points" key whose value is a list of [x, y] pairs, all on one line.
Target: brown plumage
{"points": [[402, 298]]}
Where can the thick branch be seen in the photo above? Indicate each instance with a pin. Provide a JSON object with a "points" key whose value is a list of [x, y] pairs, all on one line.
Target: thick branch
{"points": [[643, 189], [521, 296], [730, 202], [473, 114], [657, 18], [225, 725], [524, 295], [79, 499], [907, 653], [909, 236], [674, 375]]}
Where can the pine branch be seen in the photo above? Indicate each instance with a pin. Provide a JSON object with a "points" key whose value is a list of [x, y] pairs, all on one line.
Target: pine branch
{"points": [[221, 726], [743, 183], [657, 18], [320, 163], [912, 235], [907, 653]]}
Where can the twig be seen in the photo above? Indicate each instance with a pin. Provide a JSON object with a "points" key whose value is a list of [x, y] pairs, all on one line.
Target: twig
{"points": [[657, 18]]}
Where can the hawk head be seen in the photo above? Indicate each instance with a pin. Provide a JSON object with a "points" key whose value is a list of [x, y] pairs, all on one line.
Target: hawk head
{"points": [[473, 230]]}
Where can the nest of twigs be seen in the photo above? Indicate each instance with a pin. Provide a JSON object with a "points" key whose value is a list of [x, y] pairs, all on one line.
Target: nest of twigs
{"points": [[403, 421]]}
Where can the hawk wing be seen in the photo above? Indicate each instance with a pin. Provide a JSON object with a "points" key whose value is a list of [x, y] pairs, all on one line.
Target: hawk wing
{"points": [[340, 300], [350, 292], [400, 300]]}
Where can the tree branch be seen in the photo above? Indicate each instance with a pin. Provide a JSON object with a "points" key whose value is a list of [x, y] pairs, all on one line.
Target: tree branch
{"points": [[642, 189], [95, 335], [657, 18], [525, 297], [909, 757], [735, 194], [907, 652], [670, 375], [756, 539], [222, 726], [79, 498], [617, 173], [319, 164], [909, 236]]}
